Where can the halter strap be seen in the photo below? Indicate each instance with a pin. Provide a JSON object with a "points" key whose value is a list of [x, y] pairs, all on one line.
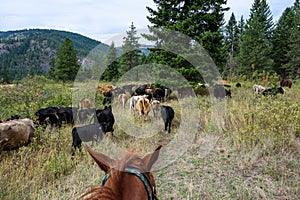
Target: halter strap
{"points": [[104, 179], [143, 178]]}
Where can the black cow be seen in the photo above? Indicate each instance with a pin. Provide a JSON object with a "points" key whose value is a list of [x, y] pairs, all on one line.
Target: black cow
{"points": [[220, 91], [90, 132], [105, 117], [49, 113], [167, 114], [141, 90], [159, 94], [66, 115], [228, 93], [149, 97], [108, 97], [273, 91], [13, 117]]}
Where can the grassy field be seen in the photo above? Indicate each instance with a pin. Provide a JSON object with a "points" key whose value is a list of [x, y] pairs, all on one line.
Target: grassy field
{"points": [[256, 156]]}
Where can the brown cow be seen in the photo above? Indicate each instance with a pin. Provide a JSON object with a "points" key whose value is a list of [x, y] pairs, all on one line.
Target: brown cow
{"points": [[149, 90], [133, 101], [286, 83], [84, 103], [122, 98], [224, 82], [143, 106], [15, 134], [105, 88]]}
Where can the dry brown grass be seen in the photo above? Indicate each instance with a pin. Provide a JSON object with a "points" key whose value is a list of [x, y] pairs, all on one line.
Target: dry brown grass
{"points": [[256, 156]]}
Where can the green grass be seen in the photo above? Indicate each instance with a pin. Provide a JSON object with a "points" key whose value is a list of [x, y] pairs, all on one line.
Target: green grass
{"points": [[256, 156]]}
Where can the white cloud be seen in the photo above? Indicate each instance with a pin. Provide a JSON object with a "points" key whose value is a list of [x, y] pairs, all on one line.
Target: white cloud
{"points": [[239, 8]]}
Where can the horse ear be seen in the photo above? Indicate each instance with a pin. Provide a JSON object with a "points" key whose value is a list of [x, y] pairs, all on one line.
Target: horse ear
{"points": [[151, 158], [103, 161]]}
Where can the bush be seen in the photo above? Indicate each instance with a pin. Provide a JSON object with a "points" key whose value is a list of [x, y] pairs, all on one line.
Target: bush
{"points": [[201, 91]]}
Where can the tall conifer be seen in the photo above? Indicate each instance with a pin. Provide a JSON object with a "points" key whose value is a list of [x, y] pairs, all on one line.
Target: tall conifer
{"points": [[200, 20], [130, 49], [256, 42], [293, 66], [231, 42], [111, 62], [281, 43], [66, 65]]}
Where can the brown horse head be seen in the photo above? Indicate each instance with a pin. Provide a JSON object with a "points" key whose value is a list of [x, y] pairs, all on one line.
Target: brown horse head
{"points": [[127, 178]]}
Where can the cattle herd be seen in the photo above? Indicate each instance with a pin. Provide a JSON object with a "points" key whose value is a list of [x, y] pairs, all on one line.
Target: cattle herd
{"points": [[259, 89], [95, 123]]}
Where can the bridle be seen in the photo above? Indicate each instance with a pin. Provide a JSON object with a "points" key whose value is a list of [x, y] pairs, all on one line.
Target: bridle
{"points": [[142, 175]]}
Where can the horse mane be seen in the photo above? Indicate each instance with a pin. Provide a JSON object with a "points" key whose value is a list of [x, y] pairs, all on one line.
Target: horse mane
{"points": [[99, 192], [110, 193]]}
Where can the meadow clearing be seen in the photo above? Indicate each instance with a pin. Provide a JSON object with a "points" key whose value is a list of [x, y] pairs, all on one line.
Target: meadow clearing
{"points": [[256, 154]]}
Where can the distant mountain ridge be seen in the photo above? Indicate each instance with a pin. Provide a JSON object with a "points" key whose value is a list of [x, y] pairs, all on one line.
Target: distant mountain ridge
{"points": [[30, 51]]}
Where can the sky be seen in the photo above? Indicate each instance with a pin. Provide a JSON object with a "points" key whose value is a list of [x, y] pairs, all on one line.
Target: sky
{"points": [[99, 19]]}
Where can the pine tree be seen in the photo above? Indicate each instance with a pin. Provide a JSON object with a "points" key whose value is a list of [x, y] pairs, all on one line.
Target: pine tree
{"points": [[50, 72], [66, 66], [231, 42], [130, 49], [5, 75], [293, 66], [281, 44], [256, 45], [241, 30], [111, 62], [200, 20]]}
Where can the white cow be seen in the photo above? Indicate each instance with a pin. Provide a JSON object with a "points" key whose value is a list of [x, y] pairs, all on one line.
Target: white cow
{"points": [[133, 101], [258, 89], [16, 133]]}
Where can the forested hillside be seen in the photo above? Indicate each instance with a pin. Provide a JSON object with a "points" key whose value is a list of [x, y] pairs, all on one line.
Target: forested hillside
{"points": [[30, 51]]}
